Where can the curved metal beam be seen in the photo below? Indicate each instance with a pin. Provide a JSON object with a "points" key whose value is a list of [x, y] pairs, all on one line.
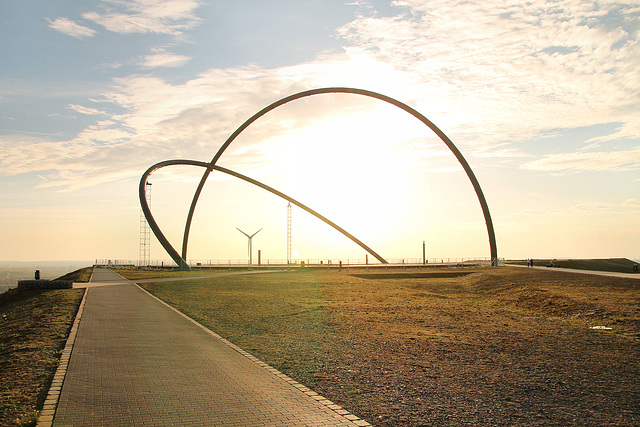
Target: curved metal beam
{"points": [[192, 209], [300, 205], [142, 194], [402, 106], [181, 261]]}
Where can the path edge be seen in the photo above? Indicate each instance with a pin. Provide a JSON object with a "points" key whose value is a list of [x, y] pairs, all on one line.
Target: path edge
{"points": [[312, 394], [50, 405]]}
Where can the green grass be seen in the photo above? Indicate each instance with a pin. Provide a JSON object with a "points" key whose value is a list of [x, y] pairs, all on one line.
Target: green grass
{"points": [[161, 273], [279, 318], [618, 265]]}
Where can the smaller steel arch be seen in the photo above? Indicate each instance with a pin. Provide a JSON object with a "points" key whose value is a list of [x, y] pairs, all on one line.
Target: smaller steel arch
{"points": [[181, 261], [142, 192]]}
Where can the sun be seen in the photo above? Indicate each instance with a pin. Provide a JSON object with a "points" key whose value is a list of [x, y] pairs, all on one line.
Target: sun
{"points": [[356, 169], [362, 166]]}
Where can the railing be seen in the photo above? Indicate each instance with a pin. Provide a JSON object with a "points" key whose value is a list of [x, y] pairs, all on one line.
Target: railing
{"points": [[336, 262]]}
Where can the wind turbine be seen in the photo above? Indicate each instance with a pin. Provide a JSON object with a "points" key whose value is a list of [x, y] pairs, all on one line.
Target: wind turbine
{"points": [[250, 248]]}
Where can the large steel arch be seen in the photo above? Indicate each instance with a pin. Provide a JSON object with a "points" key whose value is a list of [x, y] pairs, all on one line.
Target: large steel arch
{"points": [[181, 260]]}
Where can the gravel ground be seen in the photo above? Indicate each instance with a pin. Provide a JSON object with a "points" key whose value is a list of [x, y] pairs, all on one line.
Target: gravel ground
{"points": [[499, 348]]}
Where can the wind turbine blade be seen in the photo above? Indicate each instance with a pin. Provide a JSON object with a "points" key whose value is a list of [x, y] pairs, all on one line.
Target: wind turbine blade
{"points": [[243, 232], [255, 233]]}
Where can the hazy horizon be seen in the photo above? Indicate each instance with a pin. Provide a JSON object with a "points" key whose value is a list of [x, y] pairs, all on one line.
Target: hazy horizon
{"points": [[13, 271]]}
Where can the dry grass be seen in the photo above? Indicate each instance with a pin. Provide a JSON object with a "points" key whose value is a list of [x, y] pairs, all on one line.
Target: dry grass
{"points": [[34, 326], [620, 265], [82, 275], [457, 347]]}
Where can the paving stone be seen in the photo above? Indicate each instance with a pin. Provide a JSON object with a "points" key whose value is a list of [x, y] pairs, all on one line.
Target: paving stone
{"points": [[137, 362]]}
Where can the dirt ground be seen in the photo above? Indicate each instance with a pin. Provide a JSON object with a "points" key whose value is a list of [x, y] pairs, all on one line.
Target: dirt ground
{"points": [[487, 348]]}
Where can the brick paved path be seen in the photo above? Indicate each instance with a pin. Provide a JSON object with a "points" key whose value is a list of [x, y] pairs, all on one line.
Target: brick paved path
{"points": [[137, 362]]}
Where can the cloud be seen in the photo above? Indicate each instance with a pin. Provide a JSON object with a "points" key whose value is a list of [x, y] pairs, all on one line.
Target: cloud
{"points": [[170, 17], [160, 58], [512, 69], [23, 153], [71, 28], [489, 75], [84, 110], [167, 59], [617, 161], [632, 204], [189, 120]]}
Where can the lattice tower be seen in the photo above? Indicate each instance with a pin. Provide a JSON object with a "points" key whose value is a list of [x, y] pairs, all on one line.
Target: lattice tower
{"points": [[289, 233], [144, 257]]}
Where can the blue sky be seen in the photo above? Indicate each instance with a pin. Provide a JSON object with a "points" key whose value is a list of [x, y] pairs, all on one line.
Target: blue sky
{"points": [[542, 98]]}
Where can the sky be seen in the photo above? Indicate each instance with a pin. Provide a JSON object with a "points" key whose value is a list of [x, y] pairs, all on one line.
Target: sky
{"points": [[541, 97]]}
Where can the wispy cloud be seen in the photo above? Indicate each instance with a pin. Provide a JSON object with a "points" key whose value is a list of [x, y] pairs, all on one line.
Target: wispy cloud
{"points": [[632, 204], [163, 120], [158, 59], [490, 75], [164, 59], [170, 17], [512, 69], [84, 110], [71, 28], [590, 161], [629, 130]]}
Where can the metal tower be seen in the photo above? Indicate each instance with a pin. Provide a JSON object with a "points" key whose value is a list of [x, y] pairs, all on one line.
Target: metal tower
{"points": [[289, 233], [145, 234]]}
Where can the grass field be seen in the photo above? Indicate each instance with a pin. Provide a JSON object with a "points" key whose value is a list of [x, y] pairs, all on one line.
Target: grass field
{"points": [[397, 347], [161, 273], [619, 265], [449, 347]]}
